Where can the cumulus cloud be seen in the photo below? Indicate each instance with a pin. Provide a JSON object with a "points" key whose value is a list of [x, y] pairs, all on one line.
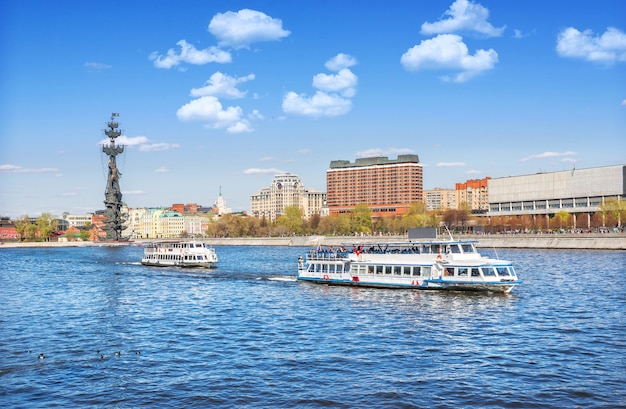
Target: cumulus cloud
{"points": [[547, 155], [370, 153], [463, 16], [448, 51], [608, 47], [209, 110], [18, 169], [190, 55], [222, 85], [244, 27], [333, 91], [259, 171]]}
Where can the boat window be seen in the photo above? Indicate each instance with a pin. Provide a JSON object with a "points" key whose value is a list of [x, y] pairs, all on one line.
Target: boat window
{"points": [[435, 248], [379, 269], [475, 272], [387, 269], [468, 248], [425, 271], [397, 270], [449, 272], [455, 249], [370, 270], [461, 271], [511, 271], [503, 271], [407, 270], [488, 271], [417, 271]]}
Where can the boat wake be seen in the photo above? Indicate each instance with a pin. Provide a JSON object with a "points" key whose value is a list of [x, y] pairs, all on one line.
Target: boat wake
{"points": [[281, 278]]}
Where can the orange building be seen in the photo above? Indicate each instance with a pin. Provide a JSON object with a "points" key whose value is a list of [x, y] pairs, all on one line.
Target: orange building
{"points": [[475, 193], [387, 186]]}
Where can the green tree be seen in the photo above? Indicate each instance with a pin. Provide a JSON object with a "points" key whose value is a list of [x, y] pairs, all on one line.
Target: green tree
{"points": [[561, 218], [613, 211], [291, 220], [46, 223], [361, 218], [20, 226]]}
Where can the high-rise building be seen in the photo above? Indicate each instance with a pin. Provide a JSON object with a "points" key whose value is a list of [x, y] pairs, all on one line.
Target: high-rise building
{"points": [[387, 186], [440, 199], [286, 190], [475, 194]]}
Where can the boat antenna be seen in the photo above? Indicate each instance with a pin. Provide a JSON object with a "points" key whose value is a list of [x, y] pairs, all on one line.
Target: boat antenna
{"points": [[449, 232]]}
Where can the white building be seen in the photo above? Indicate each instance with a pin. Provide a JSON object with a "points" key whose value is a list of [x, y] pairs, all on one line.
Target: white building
{"points": [[286, 190], [77, 220], [579, 192]]}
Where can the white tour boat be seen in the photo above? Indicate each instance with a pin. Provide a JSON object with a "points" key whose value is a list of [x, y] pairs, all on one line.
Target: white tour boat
{"points": [[179, 254], [421, 265]]}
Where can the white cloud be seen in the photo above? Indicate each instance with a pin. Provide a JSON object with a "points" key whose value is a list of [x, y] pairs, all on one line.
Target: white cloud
{"points": [[222, 85], [258, 171], [624, 102], [463, 16], [333, 94], [161, 169], [209, 109], [142, 143], [320, 104], [97, 65], [155, 147], [473, 172], [448, 51], [190, 55], [344, 82], [244, 27], [18, 169], [450, 164], [340, 61], [370, 153], [606, 48], [133, 192], [547, 155]]}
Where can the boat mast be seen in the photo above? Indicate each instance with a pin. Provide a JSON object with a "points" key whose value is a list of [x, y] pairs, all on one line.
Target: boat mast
{"points": [[114, 220]]}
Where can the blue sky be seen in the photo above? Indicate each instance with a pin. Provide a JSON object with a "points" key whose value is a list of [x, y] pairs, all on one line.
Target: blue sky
{"points": [[225, 94]]}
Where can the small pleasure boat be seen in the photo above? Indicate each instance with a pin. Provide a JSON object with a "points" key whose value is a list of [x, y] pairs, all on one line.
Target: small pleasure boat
{"points": [[420, 265], [179, 254]]}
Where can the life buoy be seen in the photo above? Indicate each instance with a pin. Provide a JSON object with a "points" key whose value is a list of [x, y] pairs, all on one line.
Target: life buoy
{"points": [[439, 257], [326, 277]]}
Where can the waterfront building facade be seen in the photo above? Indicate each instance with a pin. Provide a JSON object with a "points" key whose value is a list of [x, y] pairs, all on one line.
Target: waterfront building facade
{"points": [[77, 220], [579, 192], [286, 190], [387, 186], [475, 194], [440, 199]]}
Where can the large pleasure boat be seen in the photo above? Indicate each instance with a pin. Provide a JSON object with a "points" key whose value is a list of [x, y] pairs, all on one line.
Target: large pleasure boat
{"points": [[421, 265], [179, 254]]}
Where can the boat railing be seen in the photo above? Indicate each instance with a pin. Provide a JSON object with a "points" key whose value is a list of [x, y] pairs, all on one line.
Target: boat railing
{"points": [[326, 255]]}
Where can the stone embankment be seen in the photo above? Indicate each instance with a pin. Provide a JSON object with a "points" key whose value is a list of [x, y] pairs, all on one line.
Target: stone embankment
{"points": [[607, 241]]}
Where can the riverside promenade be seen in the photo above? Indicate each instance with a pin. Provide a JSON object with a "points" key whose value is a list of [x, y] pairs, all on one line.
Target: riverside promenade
{"points": [[593, 241]]}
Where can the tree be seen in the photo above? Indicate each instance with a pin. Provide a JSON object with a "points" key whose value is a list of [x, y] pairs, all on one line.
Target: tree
{"points": [[613, 211], [20, 226], [361, 218], [291, 219], [46, 223]]}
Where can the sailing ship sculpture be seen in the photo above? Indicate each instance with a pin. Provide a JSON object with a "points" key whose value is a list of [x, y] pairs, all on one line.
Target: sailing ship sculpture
{"points": [[114, 219]]}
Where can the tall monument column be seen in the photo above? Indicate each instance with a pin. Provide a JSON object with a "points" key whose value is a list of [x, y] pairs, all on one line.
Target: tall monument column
{"points": [[114, 220]]}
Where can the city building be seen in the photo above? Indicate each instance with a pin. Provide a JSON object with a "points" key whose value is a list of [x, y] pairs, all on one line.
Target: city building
{"points": [[475, 194], [387, 186], [440, 199], [77, 220], [286, 190], [579, 192]]}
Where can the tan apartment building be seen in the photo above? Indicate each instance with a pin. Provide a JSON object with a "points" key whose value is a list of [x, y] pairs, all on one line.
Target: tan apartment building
{"points": [[387, 186]]}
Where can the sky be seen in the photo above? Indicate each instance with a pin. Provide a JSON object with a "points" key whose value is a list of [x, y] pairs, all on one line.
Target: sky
{"points": [[220, 96]]}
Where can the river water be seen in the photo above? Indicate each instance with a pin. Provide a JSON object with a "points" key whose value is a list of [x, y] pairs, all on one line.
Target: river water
{"points": [[118, 334]]}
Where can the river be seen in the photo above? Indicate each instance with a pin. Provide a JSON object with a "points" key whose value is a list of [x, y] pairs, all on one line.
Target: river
{"points": [[114, 333]]}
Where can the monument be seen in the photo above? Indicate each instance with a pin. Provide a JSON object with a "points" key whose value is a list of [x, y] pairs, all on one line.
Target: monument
{"points": [[114, 219]]}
